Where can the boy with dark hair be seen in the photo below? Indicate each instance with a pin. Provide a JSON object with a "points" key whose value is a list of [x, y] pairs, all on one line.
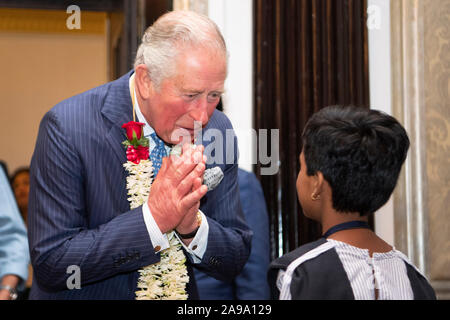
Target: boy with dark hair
{"points": [[349, 166]]}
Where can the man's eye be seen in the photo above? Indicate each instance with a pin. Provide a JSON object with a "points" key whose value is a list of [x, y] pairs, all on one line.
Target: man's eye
{"points": [[191, 96], [214, 96]]}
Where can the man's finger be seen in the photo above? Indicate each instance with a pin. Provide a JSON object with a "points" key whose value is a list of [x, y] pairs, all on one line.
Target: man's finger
{"points": [[192, 198], [197, 183], [164, 165], [181, 166], [198, 154], [187, 184]]}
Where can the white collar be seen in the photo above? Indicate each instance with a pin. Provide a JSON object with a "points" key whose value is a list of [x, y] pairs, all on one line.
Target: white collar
{"points": [[148, 130]]}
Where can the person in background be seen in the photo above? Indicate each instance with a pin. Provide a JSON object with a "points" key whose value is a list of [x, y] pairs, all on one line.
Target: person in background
{"points": [[20, 183], [251, 283], [349, 166], [14, 256]]}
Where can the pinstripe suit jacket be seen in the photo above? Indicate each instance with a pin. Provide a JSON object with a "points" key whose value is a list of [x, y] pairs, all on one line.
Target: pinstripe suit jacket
{"points": [[78, 209]]}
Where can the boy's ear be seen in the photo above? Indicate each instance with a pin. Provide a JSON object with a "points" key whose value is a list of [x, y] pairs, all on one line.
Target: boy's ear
{"points": [[319, 181]]}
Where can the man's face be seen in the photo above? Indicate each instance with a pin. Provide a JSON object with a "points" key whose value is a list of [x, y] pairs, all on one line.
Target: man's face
{"points": [[21, 187], [190, 97]]}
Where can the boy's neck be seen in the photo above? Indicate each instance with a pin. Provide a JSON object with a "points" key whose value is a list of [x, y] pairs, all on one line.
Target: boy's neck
{"points": [[361, 238], [334, 218]]}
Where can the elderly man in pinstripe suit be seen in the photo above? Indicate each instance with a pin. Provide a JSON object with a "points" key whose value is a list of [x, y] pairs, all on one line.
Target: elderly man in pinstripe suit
{"points": [[78, 211]]}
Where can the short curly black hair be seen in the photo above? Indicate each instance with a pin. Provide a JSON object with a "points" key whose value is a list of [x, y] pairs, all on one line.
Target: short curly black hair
{"points": [[360, 153]]}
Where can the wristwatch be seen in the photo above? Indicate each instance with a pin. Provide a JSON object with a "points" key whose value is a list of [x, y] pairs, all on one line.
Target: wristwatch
{"points": [[193, 233], [187, 235], [12, 291]]}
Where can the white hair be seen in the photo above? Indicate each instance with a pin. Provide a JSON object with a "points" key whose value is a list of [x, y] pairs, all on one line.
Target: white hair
{"points": [[171, 33]]}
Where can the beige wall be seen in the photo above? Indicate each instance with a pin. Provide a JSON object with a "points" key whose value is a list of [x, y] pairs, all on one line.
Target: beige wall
{"points": [[40, 66]]}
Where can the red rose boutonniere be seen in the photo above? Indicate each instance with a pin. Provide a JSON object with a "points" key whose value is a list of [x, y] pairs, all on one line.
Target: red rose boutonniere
{"points": [[136, 143]]}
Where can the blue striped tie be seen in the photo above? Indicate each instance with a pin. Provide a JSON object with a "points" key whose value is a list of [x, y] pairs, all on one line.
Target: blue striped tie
{"points": [[157, 153]]}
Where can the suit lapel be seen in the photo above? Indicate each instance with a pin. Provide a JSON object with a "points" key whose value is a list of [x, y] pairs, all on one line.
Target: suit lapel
{"points": [[118, 109], [115, 138]]}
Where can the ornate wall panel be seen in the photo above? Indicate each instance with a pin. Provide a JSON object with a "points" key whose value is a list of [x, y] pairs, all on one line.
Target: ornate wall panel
{"points": [[420, 46], [437, 77]]}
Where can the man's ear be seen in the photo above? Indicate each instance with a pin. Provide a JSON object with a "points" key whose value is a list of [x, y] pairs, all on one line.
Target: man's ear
{"points": [[144, 85]]}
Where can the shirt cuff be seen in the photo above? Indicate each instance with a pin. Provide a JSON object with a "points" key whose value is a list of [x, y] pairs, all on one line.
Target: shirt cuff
{"points": [[19, 269], [159, 240], [198, 245]]}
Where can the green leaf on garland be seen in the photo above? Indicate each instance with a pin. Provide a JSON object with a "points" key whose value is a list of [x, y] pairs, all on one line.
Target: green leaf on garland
{"points": [[135, 143], [143, 141]]}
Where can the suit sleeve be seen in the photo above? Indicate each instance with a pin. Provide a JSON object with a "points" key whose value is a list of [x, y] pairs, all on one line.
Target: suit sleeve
{"points": [[59, 231]]}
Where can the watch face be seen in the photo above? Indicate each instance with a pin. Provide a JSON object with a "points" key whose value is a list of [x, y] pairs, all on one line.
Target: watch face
{"points": [[12, 291]]}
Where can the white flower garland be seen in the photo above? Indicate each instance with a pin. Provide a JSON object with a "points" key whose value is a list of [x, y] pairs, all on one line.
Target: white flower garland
{"points": [[167, 279]]}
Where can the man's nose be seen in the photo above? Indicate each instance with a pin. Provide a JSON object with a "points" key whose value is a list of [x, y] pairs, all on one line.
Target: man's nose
{"points": [[200, 114]]}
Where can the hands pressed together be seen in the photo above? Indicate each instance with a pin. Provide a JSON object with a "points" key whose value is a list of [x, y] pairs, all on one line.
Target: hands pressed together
{"points": [[177, 190]]}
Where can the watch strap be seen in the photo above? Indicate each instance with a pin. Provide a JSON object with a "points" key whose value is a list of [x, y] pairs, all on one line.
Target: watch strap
{"points": [[193, 233], [188, 235]]}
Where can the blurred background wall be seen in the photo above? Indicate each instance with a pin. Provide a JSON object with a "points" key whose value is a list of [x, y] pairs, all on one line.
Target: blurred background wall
{"points": [[41, 62]]}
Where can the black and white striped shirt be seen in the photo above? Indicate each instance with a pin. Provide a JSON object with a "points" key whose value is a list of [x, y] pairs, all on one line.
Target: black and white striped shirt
{"points": [[385, 272]]}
